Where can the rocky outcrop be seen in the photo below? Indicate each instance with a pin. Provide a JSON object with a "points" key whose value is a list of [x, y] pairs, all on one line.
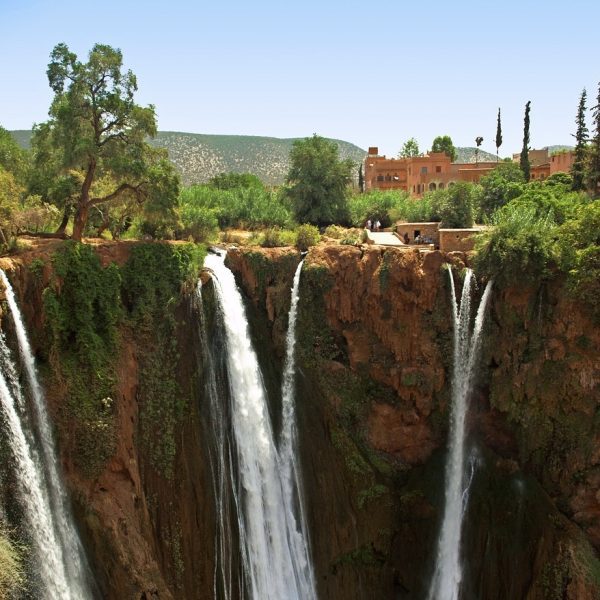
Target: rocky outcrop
{"points": [[374, 352]]}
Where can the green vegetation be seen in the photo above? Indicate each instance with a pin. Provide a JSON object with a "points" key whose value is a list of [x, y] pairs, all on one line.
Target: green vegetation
{"points": [[443, 143], [98, 133], [86, 306], [318, 181], [12, 574], [581, 139], [498, 135], [409, 149], [307, 236], [524, 160], [546, 231], [82, 308], [244, 207]]}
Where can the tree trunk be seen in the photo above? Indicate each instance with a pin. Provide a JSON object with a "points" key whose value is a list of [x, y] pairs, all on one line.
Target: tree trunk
{"points": [[83, 205], [65, 220], [81, 216]]}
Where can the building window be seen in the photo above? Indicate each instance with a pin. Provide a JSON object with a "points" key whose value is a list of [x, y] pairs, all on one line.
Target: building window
{"points": [[423, 170], [379, 177], [432, 187], [388, 177], [441, 186], [438, 169]]}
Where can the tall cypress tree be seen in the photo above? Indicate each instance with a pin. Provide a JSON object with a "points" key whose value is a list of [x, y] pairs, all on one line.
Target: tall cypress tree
{"points": [[581, 139], [361, 179], [594, 164], [498, 136], [524, 161]]}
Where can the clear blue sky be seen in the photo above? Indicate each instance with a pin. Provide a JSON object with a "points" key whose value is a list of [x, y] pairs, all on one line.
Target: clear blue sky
{"points": [[372, 73]]}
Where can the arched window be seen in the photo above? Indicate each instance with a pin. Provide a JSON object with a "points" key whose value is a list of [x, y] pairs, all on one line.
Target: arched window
{"points": [[441, 185], [432, 187], [451, 184]]}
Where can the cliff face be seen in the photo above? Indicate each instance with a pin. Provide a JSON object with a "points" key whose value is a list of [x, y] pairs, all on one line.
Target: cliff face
{"points": [[374, 353], [147, 521]]}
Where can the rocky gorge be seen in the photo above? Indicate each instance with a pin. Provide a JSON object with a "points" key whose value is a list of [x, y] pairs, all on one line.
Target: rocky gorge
{"points": [[124, 380]]}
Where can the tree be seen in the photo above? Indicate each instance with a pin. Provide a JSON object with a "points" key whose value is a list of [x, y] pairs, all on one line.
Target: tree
{"points": [[524, 160], [231, 181], [498, 135], [455, 205], [443, 143], [409, 149], [581, 139], [96, 129], [499, 187], [594, 163], [361, 179], [478, 142], [12, 157], [318, 182]]}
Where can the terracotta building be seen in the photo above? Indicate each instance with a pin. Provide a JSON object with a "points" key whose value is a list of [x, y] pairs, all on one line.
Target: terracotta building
{"points": [[419, 174], [435, 171]]}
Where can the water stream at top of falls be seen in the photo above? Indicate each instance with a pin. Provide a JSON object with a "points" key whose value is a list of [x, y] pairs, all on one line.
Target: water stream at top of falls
{"points": [[274, 548], [62, 564], [446, 582]]}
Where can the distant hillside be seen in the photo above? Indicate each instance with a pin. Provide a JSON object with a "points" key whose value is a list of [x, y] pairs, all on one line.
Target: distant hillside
{"points": [[467, 155], [22, 137], [199, 157]]}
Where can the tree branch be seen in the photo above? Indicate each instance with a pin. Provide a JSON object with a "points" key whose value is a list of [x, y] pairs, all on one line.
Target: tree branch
{"points": [[124, 187]]}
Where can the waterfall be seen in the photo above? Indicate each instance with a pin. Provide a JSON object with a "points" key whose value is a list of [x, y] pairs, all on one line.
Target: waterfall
{"points": [[447, 577], [273, 551], [288, 454], [61, 560], [226, 579]]}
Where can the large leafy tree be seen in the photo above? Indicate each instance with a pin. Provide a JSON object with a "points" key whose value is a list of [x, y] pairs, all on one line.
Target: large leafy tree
{"points": [[12, 157], [409, 149], [581, 139], [443, 143], [524, 159], [318, 182], [97, 130], [499, 187]]}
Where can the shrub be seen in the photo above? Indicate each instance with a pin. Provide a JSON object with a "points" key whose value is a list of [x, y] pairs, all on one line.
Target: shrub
{"points": [[198, 222], [519, 246], [274, 238], [307, 236], [455, 205]]}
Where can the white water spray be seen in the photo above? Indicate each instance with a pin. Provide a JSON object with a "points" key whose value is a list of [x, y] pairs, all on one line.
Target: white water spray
{"points": [[274, 567], [63, 568], [447, 577], [291, 475]]}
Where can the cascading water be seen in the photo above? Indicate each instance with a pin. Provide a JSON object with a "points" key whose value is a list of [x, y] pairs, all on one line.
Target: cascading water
{"points": [[447, 577], [274, 551], [288, 455], [62, 564]]}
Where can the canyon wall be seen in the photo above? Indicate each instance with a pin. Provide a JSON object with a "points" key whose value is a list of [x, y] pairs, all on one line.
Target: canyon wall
{"points": [[374, 356]]}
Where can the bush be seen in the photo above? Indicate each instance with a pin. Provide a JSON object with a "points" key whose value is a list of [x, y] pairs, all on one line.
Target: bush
{"points": [[275, 238], [198, 222], [498, 188], [518, 248], [455, 205], [307, 236], [579, 243], [377, 205], [249, 207]]}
